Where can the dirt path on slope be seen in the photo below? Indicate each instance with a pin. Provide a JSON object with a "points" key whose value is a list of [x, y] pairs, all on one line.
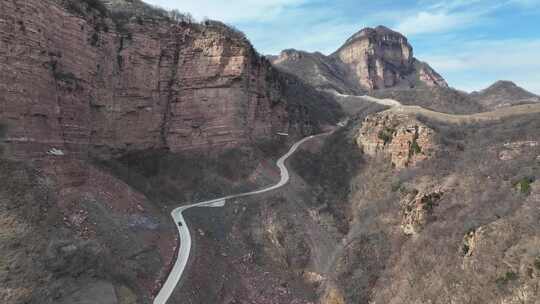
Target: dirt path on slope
{"points": [[494, 115], [469, 118]]}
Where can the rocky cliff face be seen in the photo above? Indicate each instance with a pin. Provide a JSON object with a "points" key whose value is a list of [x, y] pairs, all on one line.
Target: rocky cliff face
{"points": [[404, 139], [374, 58], [71, 81], [429, 77], [378, 58], [417, 209]]}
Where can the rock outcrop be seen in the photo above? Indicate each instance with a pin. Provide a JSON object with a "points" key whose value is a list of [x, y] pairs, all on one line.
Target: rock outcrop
{"points": [[73, 80], [428, 76], [417, 209], [373, 58], [513, 243], [512, 150], [401, 137], [377, 58], [332, 296]]}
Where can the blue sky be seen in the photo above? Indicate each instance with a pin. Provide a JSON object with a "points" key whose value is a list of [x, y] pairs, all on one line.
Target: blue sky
{"points": [[472, 43]]}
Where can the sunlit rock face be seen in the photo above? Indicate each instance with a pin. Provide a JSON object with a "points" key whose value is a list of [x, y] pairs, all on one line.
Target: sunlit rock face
{"points": [[403, 139], [381, 58], [378, 57], [71, 81]]}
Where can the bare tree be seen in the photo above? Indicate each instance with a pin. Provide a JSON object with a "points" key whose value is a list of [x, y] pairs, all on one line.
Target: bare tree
{"points": [[181, 17]]}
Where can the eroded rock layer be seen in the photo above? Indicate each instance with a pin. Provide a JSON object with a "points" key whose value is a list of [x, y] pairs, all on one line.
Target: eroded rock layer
{"points": [[72, 81]]}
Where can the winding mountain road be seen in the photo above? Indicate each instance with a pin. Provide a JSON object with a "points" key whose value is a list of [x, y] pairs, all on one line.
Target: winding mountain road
{"points": [[183, 230], [395, 106], [497, 114]]}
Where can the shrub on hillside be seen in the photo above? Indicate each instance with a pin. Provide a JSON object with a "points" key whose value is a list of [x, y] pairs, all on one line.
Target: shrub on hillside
{"points": [[226, 29], [415, 147], [386, 135], [507, 278], [176, 15], [139, 12], [524, 185], [83, 7], [3, 129], [331, 170]]}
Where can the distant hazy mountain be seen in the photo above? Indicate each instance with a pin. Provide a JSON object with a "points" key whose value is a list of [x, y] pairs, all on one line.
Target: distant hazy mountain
{"points": [[503, 93]]}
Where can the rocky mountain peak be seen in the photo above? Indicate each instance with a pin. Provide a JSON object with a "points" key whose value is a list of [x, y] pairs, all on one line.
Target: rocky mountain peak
{"points": [[380, 32], [503, 83], [378, 58], [371, 59], [289, 54]]}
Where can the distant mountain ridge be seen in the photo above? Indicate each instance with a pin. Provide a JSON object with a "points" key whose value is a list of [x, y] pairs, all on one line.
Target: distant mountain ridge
{"points": [[371, 59], [380, 62], [503, 93]]}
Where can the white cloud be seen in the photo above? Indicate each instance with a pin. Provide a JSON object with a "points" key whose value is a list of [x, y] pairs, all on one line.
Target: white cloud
{"points": [[447, 16], [230, 11], [435, 22], [488, 55], [325, 37], [315, 28], [457, 4], [472, 65]]}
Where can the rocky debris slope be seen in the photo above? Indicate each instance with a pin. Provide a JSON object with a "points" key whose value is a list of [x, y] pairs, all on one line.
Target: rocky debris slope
{"points": [[502, 94], [373, 58], [109, 237], [78, 237], [461, 226], [278, 247], [76, 76], [322, 72], [401, 137]]}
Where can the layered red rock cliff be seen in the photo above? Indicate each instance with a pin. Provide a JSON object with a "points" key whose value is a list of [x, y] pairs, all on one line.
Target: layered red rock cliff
{"points": [[378, 58], [70, 81]]}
